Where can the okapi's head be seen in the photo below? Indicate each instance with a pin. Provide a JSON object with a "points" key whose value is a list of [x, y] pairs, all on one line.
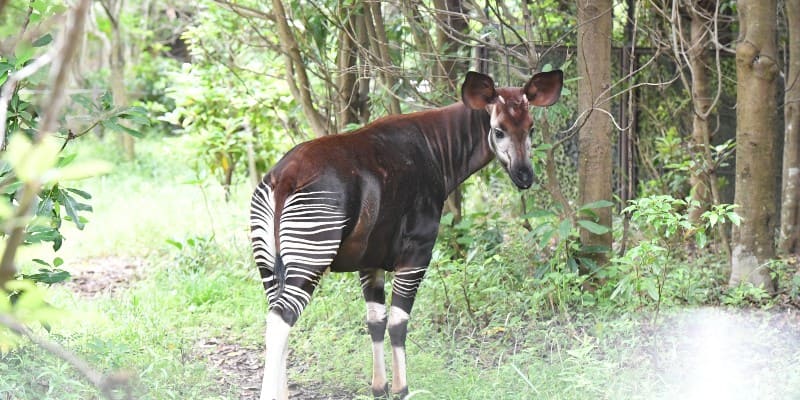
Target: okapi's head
{"points": [[511, 122]]}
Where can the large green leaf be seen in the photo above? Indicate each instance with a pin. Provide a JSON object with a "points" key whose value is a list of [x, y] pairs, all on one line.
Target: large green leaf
{"points": [[593, 227]]}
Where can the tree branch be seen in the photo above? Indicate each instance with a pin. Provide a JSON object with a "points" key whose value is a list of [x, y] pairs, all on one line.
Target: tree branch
{"points": [[106, 383], [68, 43], [11, 86]]}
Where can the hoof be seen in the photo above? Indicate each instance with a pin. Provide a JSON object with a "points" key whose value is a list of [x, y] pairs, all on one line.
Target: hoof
{"points": [[400, 394], [381, 393]]}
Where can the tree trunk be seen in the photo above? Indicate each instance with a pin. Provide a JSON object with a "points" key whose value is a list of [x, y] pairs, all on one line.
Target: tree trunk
{"points": [[377, 33], [790, 206], [296, 75], [700, 178], [452, 21], [594, 138], [113, 9], [756, 113], [348, 70]]}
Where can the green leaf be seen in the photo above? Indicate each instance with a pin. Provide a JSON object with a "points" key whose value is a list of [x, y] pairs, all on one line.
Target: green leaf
{"points": [[175, 243], [113, 125], [5, 67], [572, 264], [80, 193], [135, 114], [700, 239], [593, 227], [544, 240], [712, 219], [23, 53], [40, 261], [597, 204], [84, 101], [70, 205], [132, 132], [48, 276], [39, 233], [564, 228], [447, 219], [66, 160], [43, 41], [539, 213], [595, 249]]}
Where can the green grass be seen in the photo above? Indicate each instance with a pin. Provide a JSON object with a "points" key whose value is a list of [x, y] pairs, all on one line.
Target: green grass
{"points": [[487, 330]]}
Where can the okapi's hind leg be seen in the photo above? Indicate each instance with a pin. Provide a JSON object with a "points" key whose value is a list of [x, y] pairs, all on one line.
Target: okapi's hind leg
{"points": [[372, 287], [404, 290], [274, 386], [285, 309], [309, 234]]}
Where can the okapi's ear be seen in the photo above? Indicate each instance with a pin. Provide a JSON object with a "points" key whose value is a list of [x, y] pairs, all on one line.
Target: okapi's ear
{"points": [[544, 88], [478, 90]]}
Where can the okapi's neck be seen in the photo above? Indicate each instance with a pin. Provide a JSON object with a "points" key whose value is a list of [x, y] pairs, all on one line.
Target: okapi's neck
{"points": [[457, 138]]}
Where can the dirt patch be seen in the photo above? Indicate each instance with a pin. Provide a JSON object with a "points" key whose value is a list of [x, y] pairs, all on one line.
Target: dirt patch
{"points": [[238, 366], [241, 368], [104, 275]]}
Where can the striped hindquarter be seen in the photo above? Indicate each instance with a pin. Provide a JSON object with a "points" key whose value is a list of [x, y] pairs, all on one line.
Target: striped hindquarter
{"points": [[294, 241], [292, 258]]}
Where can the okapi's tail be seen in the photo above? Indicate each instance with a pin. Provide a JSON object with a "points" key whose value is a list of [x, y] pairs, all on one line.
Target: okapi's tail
{"points": [[265, 214], [279, 270]]}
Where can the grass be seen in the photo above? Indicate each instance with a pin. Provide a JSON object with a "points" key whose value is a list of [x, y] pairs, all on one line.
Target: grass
{"points": [[483, 331]]}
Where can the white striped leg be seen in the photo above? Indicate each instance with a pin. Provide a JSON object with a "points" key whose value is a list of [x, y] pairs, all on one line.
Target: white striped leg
{"points": [[285, 309], [372, 287], [404, 290], [275, 385], [309, 233]]}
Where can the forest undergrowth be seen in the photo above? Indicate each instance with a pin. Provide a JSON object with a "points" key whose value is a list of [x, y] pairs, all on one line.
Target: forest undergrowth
{"points": [[164, 289]]}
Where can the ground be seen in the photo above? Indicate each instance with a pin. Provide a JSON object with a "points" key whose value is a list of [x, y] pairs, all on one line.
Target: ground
{"points": [[237, 366], [696, 354]]}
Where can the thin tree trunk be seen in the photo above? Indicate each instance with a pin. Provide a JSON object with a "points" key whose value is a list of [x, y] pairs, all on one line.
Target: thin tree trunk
{"points": [[594, 139], [452, 21], [117, 64], [700, 178], [377, 32], [790, 205], [296, 75], [756, 113], [418, 27], [348, 72]]}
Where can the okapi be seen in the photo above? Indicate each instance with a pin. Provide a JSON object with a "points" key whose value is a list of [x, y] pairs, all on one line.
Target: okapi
{"points": [[370, 201]]}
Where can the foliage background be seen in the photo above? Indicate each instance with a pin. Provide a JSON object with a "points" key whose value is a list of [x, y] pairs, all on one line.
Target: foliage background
{"points": [[504, 312]]}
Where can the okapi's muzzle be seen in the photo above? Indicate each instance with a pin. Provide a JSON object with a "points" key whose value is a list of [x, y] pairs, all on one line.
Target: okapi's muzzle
{"points": [[522, 176]]}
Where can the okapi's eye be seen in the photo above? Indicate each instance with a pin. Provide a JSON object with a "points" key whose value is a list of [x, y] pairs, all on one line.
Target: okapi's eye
{"points": [[498, 134]]}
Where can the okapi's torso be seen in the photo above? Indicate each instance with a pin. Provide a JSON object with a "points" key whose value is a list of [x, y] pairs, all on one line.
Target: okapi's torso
{"points": [[390, 179]]}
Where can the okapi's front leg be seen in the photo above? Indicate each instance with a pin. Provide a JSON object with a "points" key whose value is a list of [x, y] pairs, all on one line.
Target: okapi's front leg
{"points": [[404, 289], [372, 286]]}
